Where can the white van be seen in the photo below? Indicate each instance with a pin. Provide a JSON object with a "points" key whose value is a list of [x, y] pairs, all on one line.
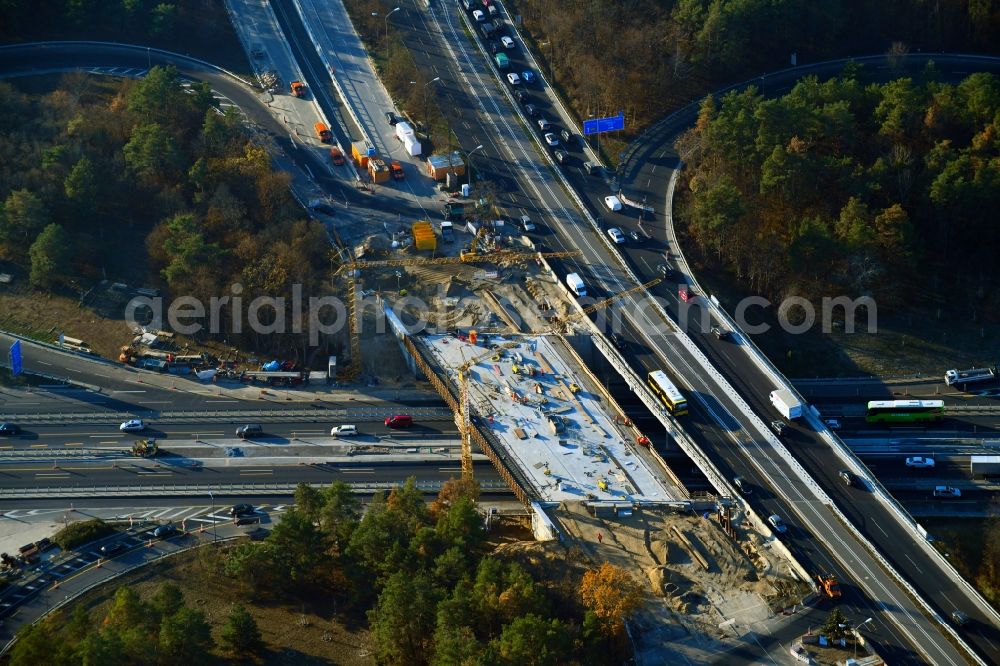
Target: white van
{"points": [[575, 284], [344, 431]]}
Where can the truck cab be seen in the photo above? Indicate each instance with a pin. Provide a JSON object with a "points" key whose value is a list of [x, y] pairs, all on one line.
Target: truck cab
{"points": [[576, 285], [298, 88]]}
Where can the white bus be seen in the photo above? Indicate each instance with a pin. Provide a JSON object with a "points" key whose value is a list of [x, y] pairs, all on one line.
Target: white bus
{"points": [[668, 394]]}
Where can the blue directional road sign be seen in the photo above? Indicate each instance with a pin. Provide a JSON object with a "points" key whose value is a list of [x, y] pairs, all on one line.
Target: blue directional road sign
{"points": [[15, 358], [598, 125]]}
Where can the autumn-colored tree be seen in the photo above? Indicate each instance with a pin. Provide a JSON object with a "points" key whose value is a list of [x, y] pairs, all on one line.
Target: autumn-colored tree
{"points": [[453, 489], [612, 594]]}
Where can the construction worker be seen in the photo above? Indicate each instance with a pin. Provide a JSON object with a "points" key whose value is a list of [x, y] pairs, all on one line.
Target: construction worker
{"points": [[600, 538]]}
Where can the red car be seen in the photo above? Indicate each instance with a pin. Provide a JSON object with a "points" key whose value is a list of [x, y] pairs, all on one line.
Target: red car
{"points": [[399, 421], [337, 156], [685, 293]]}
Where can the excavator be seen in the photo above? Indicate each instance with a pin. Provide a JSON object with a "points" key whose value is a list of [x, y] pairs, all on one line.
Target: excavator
{"points": [[829, 585]]}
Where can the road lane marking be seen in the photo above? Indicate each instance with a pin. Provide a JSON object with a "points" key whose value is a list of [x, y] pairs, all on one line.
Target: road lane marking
{"points": [[367, 470], [127, 391], [105, 435], [256, 472], [878, 526], [43, 363], [912, 562], [39, 446], [73, 444], [61, 475], [222, 401]]}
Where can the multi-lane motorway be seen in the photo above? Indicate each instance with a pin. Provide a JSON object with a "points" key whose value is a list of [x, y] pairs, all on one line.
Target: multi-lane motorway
{"points": [[717, 419], [735, 443]]}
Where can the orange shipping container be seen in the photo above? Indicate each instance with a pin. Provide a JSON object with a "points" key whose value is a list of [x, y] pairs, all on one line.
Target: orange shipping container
{"points": [[378, 169], [359, 152]]}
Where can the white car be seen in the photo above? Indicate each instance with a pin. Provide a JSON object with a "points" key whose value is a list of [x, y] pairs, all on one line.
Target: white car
{"points": [[507, 42], [777, 523], [919, 461], [344, 431], [133, 425], [514, 79], [551, 140], [543, 124], [616, 235], [478, 15], [613, 203]]}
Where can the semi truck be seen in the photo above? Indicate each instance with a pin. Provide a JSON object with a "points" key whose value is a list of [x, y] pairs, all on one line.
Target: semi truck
{"points": [[786, 403], [973, 376], [984, 466]]}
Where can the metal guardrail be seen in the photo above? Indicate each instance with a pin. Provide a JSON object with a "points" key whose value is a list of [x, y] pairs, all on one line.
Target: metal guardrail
{"points": [[185, 490]]}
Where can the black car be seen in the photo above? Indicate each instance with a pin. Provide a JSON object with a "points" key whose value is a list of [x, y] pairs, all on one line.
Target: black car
{"points": [[241, 509], [391, 117], [665, 270], [531, 110], [9, 430], [164, 531], [249, 430], [720, 333], [635, 235], [778, 426], [520, 95], [618, 341], [248, 520], [112, 548], [742, 485], [848, 478]]}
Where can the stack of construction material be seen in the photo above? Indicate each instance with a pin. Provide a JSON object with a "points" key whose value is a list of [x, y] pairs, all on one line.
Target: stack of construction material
{"points": [[423, 236]]}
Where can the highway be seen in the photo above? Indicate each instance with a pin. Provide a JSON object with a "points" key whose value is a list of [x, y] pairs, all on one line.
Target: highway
{"points": [[713, 407], [437, 41], [871, 517]]}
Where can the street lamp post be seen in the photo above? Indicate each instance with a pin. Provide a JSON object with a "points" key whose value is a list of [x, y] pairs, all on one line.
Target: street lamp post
{"points": [[215, 529], [426, 123], [469, 160], [387, 15], [856, 630]]}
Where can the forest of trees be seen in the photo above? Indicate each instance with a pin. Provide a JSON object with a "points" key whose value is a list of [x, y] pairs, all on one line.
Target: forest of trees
{"points": [[419, 574], [648, 57], [160, 631], [844, 188], [147, 183]]}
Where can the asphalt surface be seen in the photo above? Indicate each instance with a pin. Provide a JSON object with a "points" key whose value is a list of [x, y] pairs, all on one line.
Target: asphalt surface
{"points": [[733, 363]]}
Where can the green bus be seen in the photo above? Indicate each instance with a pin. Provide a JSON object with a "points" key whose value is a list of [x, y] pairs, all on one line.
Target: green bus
{"points": [[904, 411]]}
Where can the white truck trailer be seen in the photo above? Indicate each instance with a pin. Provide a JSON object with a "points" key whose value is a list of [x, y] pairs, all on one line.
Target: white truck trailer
{"points": [[786, 403]]}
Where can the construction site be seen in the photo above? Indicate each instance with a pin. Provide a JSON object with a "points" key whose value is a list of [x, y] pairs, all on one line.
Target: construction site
{"points": [[477, 312]]}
